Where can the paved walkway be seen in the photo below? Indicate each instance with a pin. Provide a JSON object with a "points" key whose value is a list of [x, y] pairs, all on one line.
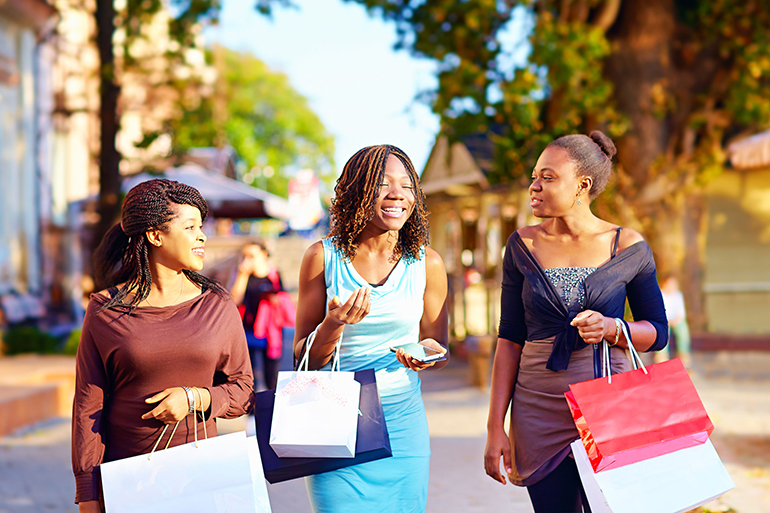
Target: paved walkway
{"points": [[35, 474]]}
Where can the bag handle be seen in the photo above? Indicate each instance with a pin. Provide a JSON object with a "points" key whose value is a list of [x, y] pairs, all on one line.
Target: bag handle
{"points": [[195, 427], [633, 355], [305, 361]]}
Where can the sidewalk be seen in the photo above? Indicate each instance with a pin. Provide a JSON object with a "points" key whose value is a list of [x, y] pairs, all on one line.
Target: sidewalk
{"points": [[36, 476]]}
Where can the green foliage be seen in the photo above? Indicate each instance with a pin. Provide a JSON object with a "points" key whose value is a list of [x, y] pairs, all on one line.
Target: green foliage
{"points": [[137, 15], [553, 95], [257, 111], [716, 73], [73, 340], [28, 339]]}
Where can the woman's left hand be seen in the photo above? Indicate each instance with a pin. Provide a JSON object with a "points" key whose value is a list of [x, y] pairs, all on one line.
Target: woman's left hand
{"points": [[173, 406], [592, 326], [416, 365]]}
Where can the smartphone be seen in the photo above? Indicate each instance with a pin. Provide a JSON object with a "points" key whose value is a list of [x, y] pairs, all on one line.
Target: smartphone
{"points": [[420, 352]]}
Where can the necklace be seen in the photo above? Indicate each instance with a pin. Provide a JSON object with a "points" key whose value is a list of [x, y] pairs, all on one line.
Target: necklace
{"points": [[181, 289]]}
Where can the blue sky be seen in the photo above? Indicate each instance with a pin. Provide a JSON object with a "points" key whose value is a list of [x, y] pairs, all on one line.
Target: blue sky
{"points": [[344, 63]]}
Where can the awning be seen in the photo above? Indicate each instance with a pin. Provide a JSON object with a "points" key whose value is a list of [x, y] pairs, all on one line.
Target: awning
{"points": [[227, 198], [752, 152]]}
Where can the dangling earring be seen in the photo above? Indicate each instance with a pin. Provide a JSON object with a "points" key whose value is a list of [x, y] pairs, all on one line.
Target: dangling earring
{"points": [[578, 201]]}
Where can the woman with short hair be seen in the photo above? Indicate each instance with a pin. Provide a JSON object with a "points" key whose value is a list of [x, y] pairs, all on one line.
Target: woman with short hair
{"points": [[565, 284], [257, 286]]}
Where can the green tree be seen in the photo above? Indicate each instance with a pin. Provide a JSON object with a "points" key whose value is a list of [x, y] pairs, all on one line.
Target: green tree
{"points": [[131, 15], [257, 111], [670, 80]]}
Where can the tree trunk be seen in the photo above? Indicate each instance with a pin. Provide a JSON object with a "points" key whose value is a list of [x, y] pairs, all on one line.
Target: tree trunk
{"points": [[108, 206], [695, 230], [671, 217], [640, 60]]}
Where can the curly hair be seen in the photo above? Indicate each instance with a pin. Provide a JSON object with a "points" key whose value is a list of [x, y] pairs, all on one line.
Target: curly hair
{"points": [[355, 196], [123, 254]]}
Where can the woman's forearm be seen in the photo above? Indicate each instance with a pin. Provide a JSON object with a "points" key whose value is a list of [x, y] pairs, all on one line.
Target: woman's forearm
{"points": [[643, 334], [326, 336], [238, 290], [505, 371]]}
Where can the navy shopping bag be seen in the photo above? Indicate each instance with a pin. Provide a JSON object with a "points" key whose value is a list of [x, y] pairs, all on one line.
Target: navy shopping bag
{"points": [[372, 442]]}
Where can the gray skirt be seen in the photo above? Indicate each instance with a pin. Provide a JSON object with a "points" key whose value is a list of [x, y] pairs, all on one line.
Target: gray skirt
{"points": [[541, 426]]}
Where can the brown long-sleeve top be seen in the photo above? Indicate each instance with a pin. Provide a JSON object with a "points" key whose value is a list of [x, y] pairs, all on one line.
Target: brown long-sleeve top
{"points": [[125, 358]]}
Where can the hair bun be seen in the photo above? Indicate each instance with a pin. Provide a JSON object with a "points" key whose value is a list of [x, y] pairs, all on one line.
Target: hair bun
{"points": [[604, 142]]}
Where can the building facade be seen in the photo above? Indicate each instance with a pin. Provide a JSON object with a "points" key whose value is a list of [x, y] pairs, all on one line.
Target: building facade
{"points": [[25, 29]]}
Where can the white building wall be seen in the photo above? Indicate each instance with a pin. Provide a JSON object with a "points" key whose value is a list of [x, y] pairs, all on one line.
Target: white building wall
{"points": [[20, 179], [10, 151], [29, 181]]}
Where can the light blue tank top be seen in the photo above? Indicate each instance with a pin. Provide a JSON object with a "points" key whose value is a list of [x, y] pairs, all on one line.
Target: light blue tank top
{"points": [[394, 318]]}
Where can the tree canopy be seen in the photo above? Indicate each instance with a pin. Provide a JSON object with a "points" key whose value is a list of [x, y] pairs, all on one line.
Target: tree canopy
{"points": [[259, 113], [671, 80]]}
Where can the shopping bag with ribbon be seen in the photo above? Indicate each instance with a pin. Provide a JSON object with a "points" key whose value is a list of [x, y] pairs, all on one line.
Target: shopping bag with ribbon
{"points": [[315, 413], [671, 483], [214, 474], [372, 440], [636, 415]]}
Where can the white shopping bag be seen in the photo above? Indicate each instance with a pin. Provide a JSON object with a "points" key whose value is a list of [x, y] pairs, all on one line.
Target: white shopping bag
{"points": [[204, 476], [261, 498], [315, 414], [671, 483]]}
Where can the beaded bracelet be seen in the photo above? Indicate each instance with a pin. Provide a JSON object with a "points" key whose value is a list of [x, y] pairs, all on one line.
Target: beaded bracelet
{"points": [[190, 399]]}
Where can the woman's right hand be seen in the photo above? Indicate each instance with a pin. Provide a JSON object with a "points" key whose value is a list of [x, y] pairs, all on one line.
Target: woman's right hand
{"points": [[355, 308], [498, 446], [246, 267], [89, 507]]}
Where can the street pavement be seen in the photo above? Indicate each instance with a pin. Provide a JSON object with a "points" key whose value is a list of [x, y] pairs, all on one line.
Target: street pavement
{"points": [[35, 475]]}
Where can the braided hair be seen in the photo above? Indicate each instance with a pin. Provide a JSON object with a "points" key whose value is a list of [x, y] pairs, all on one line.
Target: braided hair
{"points": [[355, 196], [147, 206]]}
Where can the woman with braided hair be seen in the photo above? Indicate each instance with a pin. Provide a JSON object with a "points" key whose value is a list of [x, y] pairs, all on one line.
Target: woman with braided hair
{"points": [[162, 342], [374, 282], [565, 285]]}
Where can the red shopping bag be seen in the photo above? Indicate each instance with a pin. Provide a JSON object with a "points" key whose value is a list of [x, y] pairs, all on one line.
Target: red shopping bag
{"points": [[638, 415]]}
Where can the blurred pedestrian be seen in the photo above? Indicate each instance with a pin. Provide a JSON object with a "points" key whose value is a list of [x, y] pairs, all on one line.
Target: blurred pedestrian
{"points": [[255, 290], [673, 299], [161, 343], [383, 287], [565, 284]]}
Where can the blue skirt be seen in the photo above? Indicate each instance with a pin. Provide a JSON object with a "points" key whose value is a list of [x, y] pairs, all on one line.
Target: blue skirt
{"points": [[398, 484]]}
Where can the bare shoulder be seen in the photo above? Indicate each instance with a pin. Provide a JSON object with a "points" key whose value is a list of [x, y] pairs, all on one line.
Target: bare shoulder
{"points": [[313, 261], [529, 232], [314, 254], [433, 261], [629, 237]]}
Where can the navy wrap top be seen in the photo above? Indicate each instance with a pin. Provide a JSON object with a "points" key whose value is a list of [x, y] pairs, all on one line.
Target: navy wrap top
{"points": [[532, 309]]}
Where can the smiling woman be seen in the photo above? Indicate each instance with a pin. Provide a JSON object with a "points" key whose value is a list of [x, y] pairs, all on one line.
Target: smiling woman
{"points": [[158, 332], [384, 288]]}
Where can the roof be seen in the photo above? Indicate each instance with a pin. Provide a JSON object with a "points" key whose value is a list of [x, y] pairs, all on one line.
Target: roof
{"points": [[451, 170], [226, 197]]}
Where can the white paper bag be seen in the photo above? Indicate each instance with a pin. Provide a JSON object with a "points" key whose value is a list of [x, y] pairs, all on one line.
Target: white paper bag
{"points": [[261, 498], [672, 483], [315, 415], [215, 476]]}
